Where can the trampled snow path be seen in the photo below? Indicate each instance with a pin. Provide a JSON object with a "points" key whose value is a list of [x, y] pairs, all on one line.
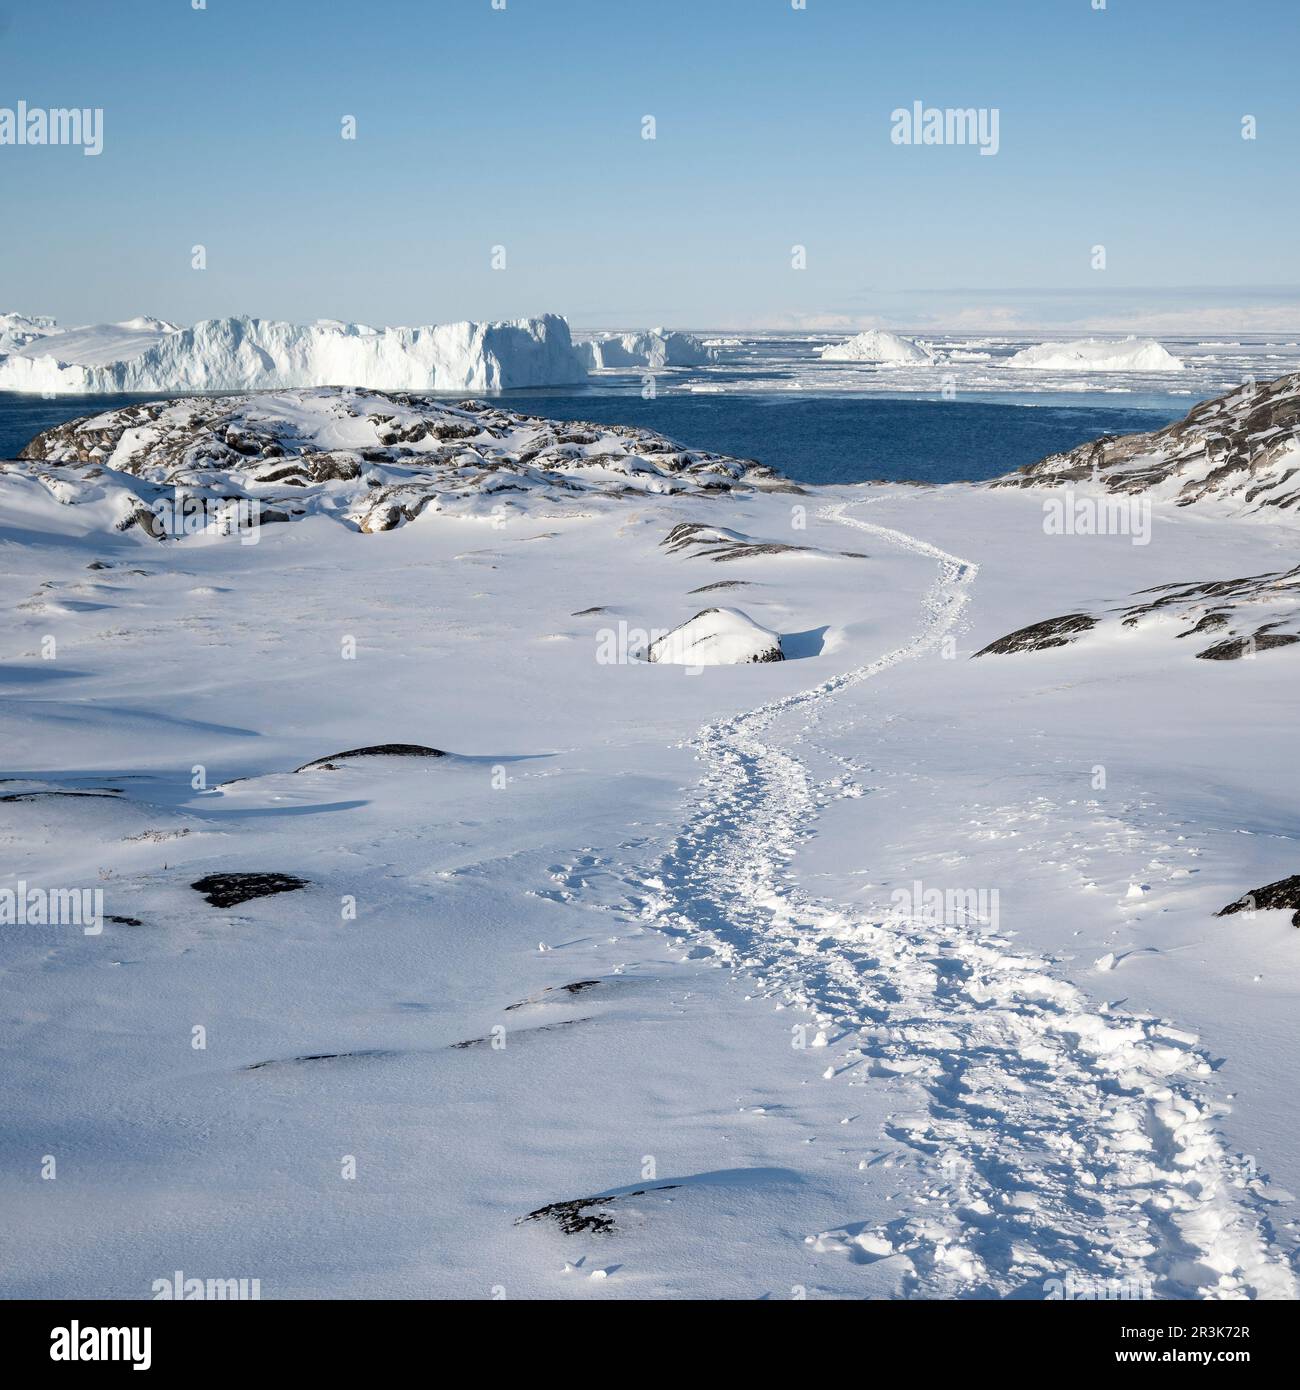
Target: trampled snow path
{"points": [[1059, 1139]]}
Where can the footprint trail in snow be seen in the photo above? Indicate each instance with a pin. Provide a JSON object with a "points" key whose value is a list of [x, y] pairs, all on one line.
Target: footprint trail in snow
{"points": [[1060, 1139]]}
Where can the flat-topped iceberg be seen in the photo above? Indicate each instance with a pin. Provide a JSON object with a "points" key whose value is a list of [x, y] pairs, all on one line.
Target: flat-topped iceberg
{"points": [[242, 354], [1098, 355], [876, 345], [656, 348]]}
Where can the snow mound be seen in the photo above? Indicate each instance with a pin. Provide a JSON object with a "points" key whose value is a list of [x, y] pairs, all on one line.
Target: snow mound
{"points": [[1098, 355], [717, 637], [876, 345], [240, 354], [372, 460], [656, 348]]}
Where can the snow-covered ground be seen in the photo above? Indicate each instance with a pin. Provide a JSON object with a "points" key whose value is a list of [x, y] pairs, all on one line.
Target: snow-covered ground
{"points": [[662, 935]]}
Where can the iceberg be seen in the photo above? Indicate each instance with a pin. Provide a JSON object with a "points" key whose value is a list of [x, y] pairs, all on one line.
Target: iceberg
{"points": [[655, 348], [876, 345], [17, 330], [1098, 355], [242, 354]]}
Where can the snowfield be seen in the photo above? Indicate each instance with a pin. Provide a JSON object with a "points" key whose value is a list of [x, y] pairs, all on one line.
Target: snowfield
{"points": [[520, 962], [243, 354]]}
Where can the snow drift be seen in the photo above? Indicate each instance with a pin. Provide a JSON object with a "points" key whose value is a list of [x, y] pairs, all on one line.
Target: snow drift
{"points": [[876, 345], [1098, 355], [241, 354]]}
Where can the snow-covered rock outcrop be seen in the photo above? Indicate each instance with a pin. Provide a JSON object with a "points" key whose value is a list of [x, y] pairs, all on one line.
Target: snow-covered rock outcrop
{"points": [[876, 345], [717, 637], [1227, 619], [241, 354], [1241, 448], [1098, 355], [372, 460], [655, 349]]}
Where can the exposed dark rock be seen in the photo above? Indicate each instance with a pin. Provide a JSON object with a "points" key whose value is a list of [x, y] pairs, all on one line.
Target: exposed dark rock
{"points": [[108, 794], [1054, 632], [125, 921], [229, 890], [375, 750], [1233, 608], [521, 1032], [588, 1213], [723, 584], [576, 987], [719, 544], [365, 1054], [1212, 622], [1284, 894], [1236, 647]]}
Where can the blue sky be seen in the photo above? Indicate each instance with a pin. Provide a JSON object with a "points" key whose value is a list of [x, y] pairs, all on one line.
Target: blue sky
{"points": [[479, 127]]}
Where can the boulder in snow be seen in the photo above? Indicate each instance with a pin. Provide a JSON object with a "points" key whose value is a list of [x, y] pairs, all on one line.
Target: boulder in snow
{"points": [[717, 637]]}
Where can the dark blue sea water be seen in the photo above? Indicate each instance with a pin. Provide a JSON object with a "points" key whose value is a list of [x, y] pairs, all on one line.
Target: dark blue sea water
{"points": [[817, 439]]}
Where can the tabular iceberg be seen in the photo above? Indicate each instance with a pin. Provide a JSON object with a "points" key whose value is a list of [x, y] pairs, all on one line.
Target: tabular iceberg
{"points": [[241, 354]]}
